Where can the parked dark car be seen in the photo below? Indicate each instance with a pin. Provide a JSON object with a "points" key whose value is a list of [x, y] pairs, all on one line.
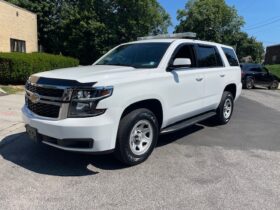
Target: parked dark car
{"points": [[258, 75]]}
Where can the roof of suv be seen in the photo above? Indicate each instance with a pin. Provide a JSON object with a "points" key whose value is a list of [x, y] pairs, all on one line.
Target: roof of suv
{"points": [[173, 40]]}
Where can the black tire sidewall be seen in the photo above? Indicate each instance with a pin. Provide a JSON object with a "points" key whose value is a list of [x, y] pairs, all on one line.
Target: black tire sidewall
{"points": [[277, 85], [249, 80], [220, 112], [126, 125]]}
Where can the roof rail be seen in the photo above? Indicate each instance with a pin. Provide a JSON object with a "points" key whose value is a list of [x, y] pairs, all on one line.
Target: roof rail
{"points": [[190, 35]]}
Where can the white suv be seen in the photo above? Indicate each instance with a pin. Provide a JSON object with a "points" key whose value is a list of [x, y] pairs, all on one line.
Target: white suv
{"points": [[131, 95]]}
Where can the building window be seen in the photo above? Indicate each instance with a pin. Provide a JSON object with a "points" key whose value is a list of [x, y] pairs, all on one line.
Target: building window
{"points": [[18, 45]]}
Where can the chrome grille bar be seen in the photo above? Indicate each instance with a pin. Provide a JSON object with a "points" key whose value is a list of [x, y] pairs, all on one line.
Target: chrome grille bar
{"points": [[35, 98]]}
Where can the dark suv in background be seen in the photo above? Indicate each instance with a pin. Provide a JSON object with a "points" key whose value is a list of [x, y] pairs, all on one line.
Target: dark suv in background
{"points": [[257, 75]]}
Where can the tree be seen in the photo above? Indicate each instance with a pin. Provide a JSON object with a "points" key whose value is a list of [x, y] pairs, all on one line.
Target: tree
{"points": [[93, 27], [247, 46], [86, 29], [214, 20]]}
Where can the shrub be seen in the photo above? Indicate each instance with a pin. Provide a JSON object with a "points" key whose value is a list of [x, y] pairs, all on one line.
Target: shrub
{"points": [[17, 67]]}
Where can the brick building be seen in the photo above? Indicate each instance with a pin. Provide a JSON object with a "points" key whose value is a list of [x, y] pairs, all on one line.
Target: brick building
{"points": [[18, 29], [272, 55]]}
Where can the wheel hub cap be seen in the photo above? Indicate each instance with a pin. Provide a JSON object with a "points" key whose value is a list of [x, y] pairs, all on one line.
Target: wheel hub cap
{"points": [[141, 137], [227, 108]]}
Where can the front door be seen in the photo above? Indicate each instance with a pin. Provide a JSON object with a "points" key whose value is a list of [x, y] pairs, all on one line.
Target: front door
{"points": [[185, 86]]}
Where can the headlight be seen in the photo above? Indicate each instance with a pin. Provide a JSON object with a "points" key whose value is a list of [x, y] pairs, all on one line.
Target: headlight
{"points": [[84, 101]]}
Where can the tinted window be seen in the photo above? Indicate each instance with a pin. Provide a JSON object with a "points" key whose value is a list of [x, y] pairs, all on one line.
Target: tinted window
{"points": [[208, 57], [141, 55], [232, 59]]}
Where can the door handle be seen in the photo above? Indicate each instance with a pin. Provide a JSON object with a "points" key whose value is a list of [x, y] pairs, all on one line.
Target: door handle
{"points": [[199, 79], [222, 75]]}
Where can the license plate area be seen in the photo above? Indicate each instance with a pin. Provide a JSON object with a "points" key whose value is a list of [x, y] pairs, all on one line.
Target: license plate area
{"points": [[32, 133]]}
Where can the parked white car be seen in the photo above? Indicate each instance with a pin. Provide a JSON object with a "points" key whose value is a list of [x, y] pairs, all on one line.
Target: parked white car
{"points": [[131, 95]]}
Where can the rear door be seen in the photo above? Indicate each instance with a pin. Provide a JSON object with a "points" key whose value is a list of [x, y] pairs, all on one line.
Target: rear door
{"points": [[213, 71], [266, 78]]}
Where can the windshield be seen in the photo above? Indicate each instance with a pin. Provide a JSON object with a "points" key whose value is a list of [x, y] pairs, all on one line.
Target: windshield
{"points": [[140, 55]]}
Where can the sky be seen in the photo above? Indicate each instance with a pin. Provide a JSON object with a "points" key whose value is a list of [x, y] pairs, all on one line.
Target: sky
{"points": [[262, 17]]}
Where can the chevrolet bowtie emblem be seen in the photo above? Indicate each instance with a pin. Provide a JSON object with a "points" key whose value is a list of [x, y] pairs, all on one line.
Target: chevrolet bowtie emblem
{"points": [[34, 98]]}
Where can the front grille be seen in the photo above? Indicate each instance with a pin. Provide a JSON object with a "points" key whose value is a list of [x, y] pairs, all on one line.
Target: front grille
{"points": [[42, 109], [43, 91]]}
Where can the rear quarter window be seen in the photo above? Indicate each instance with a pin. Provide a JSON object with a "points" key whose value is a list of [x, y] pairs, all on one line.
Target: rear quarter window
{"points": [[231, 56]]}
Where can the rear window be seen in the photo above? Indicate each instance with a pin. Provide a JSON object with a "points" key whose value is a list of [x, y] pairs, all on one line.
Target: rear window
{"points": [[208, 56], [231, 56]]}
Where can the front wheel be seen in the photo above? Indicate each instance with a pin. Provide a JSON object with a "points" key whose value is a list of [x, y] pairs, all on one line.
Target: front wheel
{"points": [[225, 109], [137, 136]]}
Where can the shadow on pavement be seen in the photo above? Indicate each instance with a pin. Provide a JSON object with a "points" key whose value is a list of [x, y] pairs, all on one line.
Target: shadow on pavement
{"points": [[173, 137], [43, 159]]}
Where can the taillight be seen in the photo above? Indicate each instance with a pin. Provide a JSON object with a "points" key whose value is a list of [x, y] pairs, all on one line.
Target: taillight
{"points": [[242, 74]]}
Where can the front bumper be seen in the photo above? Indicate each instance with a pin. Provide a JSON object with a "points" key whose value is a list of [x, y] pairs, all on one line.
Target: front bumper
{"points": [[102, 130]]}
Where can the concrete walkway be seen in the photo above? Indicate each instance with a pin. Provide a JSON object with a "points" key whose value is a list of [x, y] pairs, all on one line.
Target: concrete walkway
{"points": [[10, 115]]}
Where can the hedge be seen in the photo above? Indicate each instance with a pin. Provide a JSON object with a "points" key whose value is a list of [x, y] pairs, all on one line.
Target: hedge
{"points": [[15, 68]]}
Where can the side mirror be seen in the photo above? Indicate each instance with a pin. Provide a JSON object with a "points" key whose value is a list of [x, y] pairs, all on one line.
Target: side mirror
{"points": [[182, 62]]}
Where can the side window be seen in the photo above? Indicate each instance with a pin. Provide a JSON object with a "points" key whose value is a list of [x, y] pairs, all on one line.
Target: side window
{"points": [[208, 56], [232, 59], [185, 51]]}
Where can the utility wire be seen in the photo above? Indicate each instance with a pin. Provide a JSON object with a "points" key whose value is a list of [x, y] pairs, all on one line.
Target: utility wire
{"points": [[263, 22], [263, 25]]}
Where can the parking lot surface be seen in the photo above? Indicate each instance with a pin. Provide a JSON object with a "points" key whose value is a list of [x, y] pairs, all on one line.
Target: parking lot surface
{"points": [[236, 166]]}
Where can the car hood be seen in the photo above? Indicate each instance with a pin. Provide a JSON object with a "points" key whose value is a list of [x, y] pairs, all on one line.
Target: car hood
{"points": [[94, 73]]}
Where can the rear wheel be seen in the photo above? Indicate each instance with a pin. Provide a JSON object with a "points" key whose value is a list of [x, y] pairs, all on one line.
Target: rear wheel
{"points": [[225, 109], [274, 85], [137, 136], [249, 83]]}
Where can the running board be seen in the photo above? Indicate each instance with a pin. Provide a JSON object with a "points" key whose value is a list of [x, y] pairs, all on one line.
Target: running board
{"points": [[187, 123]]}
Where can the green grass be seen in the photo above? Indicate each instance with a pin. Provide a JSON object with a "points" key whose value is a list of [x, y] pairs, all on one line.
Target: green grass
{"points": [[274, 69], [11, 89]]}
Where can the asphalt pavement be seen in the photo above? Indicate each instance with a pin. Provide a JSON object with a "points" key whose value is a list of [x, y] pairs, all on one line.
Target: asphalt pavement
{"points": [[236, 166]]}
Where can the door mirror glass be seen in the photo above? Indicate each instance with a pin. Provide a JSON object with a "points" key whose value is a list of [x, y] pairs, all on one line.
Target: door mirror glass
{"points": [[181, 62]]}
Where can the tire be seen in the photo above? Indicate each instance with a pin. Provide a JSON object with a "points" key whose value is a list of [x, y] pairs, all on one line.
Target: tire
{"points": [[134, 147], [225, 109], [274, 85], [249, 83]]}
